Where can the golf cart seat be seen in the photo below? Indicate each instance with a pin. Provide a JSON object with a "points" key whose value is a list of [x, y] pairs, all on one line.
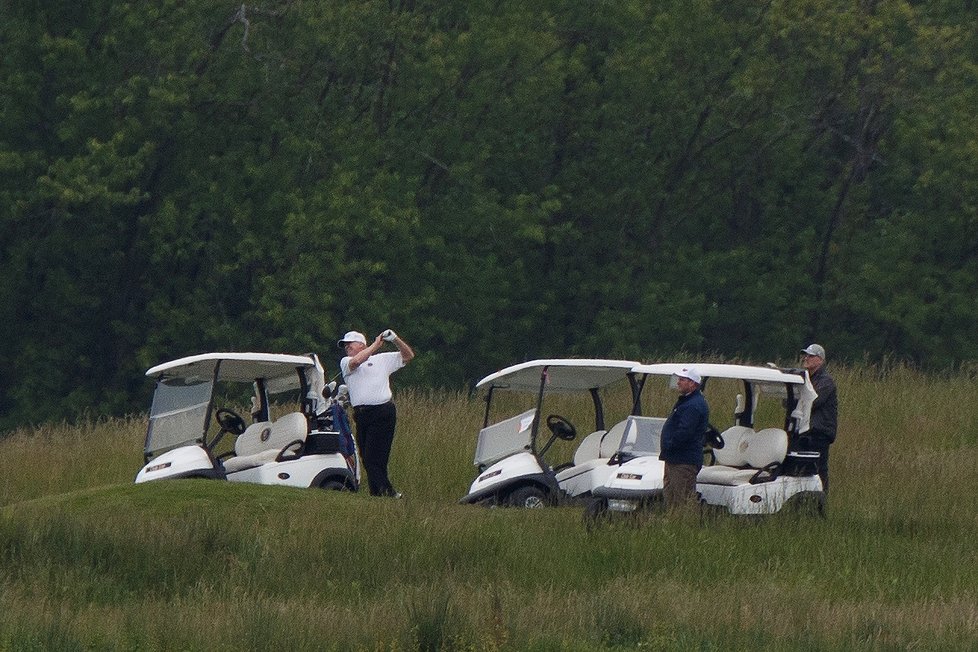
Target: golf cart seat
{"points": [[612, 440], [591, 459], [589, 448], [264, 441], [747, 457], [600, 444]]}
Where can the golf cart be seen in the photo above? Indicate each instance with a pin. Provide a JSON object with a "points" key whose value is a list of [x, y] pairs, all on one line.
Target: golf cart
{"points": [[753, 470], [513, 466], [299, 434]]}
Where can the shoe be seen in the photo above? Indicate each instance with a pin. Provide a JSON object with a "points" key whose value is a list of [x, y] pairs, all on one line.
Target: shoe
{"points": [[397, 494]]}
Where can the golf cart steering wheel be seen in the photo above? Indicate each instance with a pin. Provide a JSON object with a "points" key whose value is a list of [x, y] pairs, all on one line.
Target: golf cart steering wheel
{"points": [[713, 437], [561, 427], [230, 421]]}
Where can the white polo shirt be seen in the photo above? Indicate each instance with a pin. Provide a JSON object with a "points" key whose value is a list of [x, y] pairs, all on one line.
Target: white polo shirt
{"points": [[369, 384]]}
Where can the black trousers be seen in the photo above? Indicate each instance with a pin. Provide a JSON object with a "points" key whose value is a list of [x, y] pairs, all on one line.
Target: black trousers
{"points": [[817, 442], [822, 446], [375, 436]]}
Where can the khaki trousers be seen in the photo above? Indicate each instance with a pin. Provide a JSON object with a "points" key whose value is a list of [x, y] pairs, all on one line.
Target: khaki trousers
{"points": [[679, 485]]}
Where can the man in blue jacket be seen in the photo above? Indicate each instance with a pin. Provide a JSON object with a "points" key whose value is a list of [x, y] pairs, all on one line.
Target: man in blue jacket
{"points": [[825, 409], [681, 444]]}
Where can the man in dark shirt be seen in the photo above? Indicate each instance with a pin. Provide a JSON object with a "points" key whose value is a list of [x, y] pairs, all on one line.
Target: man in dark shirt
{"points": [[681, 441], [825, 409]]}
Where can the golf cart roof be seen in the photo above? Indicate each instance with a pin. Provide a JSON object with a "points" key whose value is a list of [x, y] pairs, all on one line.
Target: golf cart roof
{"points": [[563, 374], [713, 370], [242, 367]]}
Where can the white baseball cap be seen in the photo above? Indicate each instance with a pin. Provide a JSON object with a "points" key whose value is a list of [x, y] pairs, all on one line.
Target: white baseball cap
{"points": [[689, 372], [814, 349], [352, 336]]}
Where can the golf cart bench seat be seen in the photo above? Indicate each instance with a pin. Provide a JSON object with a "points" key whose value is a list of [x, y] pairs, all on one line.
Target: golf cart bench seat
{"points": [[594, 452], [263, 441], [600, 444], [747, 457]]}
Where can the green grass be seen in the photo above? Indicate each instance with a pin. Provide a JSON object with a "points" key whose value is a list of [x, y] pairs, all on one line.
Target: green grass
{"points": [[91, 561]]}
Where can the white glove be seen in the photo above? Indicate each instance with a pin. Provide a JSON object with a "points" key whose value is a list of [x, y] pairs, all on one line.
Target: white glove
{"points": [[388, 335]]}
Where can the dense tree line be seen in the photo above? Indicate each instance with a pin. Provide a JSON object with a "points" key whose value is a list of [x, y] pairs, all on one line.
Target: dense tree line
{"points": [[497, 180]]}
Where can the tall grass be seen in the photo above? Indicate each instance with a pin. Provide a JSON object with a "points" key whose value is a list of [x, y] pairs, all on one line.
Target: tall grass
{"points": [[91, 561]]}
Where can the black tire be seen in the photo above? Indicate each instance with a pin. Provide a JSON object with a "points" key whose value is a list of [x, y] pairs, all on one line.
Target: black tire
{"points": [[333, 485], [807, 503], [527, 497], [596, 513]]}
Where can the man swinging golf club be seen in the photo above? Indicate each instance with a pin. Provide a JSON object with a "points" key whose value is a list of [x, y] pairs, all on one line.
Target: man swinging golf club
{"points": [[367, 375]]}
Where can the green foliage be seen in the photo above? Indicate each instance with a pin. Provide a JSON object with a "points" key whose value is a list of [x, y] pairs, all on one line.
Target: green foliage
{"points": [[497, 181]]}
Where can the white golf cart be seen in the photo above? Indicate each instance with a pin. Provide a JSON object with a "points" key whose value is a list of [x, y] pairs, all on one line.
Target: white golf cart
{"points": [[299, 435], [754, 470], [513, 470]]}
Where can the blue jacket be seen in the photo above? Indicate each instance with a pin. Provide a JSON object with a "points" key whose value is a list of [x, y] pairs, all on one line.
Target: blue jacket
{"points": [[825, 409], [684, 431]]}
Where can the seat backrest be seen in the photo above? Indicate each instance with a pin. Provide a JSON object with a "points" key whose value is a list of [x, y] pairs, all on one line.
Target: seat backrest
{"points": [[767, 447], [253, 439], [612, 439], [287, 429], [272, 435], [736, 441], [589, 448]]}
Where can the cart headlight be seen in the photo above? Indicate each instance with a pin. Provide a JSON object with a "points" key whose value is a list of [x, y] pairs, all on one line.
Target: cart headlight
{"points": [[490, 475], [629, 476], [157, 467]]}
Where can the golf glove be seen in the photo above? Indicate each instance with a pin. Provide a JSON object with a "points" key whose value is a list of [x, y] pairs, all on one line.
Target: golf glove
{"points": [[388, 335]]}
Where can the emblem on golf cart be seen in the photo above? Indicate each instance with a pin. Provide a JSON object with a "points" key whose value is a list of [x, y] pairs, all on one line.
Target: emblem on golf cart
{"points": [[265, 434], [158, 467]]}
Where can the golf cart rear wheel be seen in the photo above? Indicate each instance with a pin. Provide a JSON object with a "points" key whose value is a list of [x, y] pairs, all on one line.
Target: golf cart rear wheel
{"points": [[807, 503], [527, 497], [333, 485]]}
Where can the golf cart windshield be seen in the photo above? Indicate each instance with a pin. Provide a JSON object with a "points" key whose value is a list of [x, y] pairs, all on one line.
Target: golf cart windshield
{"points": [[501, 439], [178, 415], [641, 437]]}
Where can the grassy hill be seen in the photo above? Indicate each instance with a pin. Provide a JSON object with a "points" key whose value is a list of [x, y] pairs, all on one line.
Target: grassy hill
{"points": [[91, 561]]}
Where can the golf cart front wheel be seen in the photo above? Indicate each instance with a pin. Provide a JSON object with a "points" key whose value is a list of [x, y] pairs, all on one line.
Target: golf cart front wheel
{"points": [[596, 513], [333, 485], [527, 497]]}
